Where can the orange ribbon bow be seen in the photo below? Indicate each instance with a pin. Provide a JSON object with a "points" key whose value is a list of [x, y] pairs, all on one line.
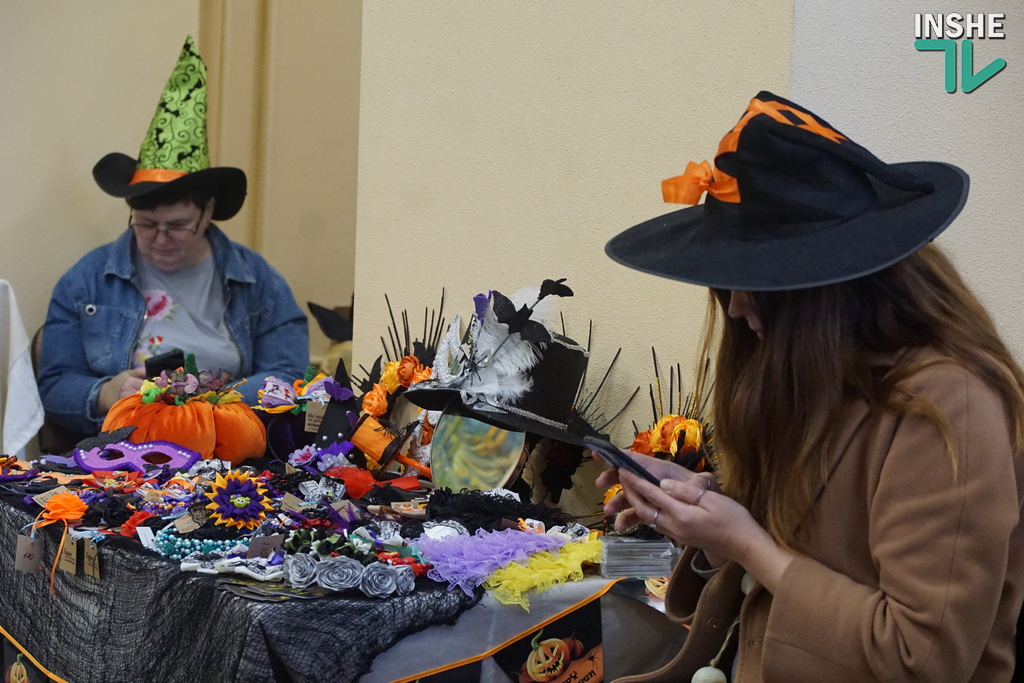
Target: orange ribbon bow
{"points": [[689, 187]]}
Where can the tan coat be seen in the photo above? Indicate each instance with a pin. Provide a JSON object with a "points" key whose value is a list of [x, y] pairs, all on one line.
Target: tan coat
{"points": [[906, 573]]}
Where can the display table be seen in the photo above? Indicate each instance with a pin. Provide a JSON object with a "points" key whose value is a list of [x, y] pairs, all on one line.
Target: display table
{"points": [[146, 620]]}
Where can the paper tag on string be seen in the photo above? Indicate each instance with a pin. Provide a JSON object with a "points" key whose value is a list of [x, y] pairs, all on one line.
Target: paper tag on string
{"points": [[264, 546], [186, 524], [314, 415], [43, 497], [28, 554], [291, 503], [191, 520], [346, 507], [146, 536], [91, 560], [69, 555]]}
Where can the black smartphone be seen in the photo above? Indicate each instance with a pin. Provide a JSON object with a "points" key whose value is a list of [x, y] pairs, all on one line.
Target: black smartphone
{"points": [[616, 457], [170, 361]]}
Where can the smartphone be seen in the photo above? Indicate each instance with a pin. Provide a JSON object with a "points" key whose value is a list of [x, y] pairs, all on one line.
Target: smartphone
{"points": [[616, 457], [170, 361]]}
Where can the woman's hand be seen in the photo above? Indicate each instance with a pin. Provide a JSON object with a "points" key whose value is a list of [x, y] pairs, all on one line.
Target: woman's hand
{"points": [[688, 508], [662, 469], [122, 384]]}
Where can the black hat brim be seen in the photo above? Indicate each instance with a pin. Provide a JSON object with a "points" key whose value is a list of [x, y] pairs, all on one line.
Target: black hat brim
{"points": [[680, 245], [113, 173], [450, 400]]}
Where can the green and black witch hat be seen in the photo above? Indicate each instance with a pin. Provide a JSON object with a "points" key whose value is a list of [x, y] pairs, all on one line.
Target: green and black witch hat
{"points": [[175, 155]]}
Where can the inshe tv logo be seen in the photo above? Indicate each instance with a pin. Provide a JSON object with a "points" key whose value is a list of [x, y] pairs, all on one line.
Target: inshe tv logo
{"points": [[941, 32]]}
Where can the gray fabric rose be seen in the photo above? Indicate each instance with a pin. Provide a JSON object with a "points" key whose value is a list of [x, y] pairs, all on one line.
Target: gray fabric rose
{"points": [[299, 570], [338, 573], [378, 580], [405, 579]]}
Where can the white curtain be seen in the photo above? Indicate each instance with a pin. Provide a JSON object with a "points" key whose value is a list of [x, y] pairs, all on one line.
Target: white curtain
{"points": [[22, 410]]}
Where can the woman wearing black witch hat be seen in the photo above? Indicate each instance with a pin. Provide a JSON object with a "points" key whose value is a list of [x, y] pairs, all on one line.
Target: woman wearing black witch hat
{"points": [[864, 521], [173, 279]]}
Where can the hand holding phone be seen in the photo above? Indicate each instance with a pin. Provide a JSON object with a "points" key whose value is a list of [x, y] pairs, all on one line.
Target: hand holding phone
{"points": [[169, 361], [616, 457]]}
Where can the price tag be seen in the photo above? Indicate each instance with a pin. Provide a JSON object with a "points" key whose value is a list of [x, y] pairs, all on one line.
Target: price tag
{"points": [[291, 503], [186, 524], [43, 497], [314, 415], [264, 546], [28, 554], [346, 507], [91, 561], [69, 555], [146, 536]]}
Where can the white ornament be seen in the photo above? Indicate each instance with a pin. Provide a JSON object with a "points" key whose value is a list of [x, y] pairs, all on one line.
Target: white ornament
{"points": [[708, 674]]}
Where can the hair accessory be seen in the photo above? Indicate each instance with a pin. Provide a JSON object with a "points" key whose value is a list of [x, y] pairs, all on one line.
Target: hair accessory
{"points": [[174, 155], [791, 203], [238, 500], [63, 507]]}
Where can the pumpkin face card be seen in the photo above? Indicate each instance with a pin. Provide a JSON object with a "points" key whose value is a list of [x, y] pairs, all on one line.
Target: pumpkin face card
{"points": [[17, 668], [568, 649]]}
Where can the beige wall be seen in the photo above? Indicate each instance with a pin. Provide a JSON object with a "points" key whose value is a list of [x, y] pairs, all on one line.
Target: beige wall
{"points": [[862, 69], [79, 80], [502, 143], [288, 111]]}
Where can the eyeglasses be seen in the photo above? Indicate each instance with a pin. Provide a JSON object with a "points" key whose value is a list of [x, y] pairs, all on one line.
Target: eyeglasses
{"points": [[176, 230]]}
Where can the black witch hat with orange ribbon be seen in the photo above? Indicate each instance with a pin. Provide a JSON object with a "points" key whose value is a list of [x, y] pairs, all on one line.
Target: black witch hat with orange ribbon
{"points": [[791, 203]]}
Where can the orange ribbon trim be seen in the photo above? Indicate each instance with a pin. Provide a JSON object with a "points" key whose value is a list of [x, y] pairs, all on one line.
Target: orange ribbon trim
{"points": [[156, 175], [690, 186], [700, 178]]}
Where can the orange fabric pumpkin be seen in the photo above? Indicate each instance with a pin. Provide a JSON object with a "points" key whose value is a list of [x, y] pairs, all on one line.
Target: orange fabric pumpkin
{"points": [[229, 431]]}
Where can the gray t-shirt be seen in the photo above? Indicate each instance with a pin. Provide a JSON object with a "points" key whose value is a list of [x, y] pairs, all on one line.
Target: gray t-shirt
{"points": [[185, 309]]}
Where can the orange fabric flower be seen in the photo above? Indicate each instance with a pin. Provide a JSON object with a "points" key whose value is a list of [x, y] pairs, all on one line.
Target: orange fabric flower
{"points": [[612, 492], [407, 369], [665, 435], [389, 378], [129, 528], [65, 507], [642, 443], [375, 402]]}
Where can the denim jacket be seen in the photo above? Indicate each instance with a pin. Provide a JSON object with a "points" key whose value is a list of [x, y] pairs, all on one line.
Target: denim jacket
{"points": [[97, 310]]}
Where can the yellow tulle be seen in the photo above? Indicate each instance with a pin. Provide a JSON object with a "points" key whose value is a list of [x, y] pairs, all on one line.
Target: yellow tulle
{"points": [[512, 583]]}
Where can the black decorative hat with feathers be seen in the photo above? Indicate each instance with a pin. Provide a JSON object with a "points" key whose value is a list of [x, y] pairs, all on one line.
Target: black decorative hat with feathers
{"points": [[512, 370]]}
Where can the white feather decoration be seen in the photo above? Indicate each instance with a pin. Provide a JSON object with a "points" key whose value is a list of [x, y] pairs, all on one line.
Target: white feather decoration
{"points": [[546, 310], [501, 361]]}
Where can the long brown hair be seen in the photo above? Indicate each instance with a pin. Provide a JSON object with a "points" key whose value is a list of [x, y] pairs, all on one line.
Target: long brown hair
{"points": [[777, 400]]}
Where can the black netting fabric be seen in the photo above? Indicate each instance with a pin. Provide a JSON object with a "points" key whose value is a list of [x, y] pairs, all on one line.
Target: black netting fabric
{"points": [[148, 621]]}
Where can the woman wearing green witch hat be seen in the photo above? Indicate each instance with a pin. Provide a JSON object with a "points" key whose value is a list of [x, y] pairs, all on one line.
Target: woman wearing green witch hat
{"points": [[172, 280]]}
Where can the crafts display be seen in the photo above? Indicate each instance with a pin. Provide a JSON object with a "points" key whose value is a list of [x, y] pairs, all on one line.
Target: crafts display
{"points": [[300, 534]]}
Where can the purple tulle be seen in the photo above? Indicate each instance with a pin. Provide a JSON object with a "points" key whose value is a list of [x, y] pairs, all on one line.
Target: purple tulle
{"points": [[467, 561]]}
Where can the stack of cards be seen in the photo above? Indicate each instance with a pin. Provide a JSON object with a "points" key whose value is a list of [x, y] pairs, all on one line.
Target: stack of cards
{"points": [[637, 558]]}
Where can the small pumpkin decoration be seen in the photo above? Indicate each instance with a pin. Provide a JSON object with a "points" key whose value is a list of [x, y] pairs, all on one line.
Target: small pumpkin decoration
{"points": [[197, 410], [549, 658], [16, 673]]}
